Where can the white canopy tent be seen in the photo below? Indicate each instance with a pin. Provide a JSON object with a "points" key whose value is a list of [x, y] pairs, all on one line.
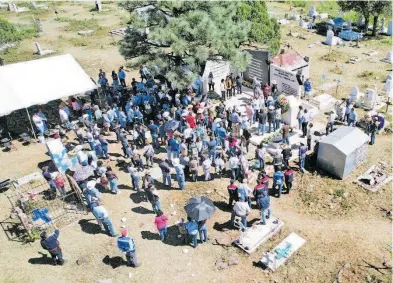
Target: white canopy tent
{"points": [[39, 81]]}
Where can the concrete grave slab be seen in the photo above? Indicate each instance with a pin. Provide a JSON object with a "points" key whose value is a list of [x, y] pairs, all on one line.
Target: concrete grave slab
{"points": [[323, 102], [290, 244], [371, 53], [253, 237], [374, 178]]}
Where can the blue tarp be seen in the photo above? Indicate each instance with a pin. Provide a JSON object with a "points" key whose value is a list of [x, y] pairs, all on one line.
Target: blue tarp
{"points": [[338, 22], [349, 35]]}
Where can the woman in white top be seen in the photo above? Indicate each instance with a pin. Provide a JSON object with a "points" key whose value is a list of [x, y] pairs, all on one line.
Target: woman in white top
{"points": [[222, 89], [39, 123]]}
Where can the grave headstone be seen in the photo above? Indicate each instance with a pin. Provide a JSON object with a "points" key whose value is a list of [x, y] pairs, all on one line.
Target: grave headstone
{"points": [[390, 28], [388, 77], [312, 12], [349, 25], [355, 95], [382, 29], [388, 87], [370, 98], [38, 46], [329, 37], [388, 58], [98, 5], [258, 67], [39, 24], [287, 82]]}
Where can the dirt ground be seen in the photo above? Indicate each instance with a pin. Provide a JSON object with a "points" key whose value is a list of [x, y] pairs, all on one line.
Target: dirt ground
{"points": [[350, 228]]}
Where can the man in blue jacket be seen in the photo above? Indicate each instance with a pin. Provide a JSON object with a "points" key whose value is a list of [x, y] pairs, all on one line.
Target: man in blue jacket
{"points": [[51, 244], [264, 204], [278, 181], [126, 245]]}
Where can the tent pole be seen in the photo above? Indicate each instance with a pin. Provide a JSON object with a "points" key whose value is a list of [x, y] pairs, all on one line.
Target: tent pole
{"points": [[31, 124]]}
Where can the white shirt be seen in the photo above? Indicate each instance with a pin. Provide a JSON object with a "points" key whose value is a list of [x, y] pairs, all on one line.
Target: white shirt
{"points": [[206, 164], [222, 86], [187, 133], [38, 121], [81, 156], [234, 162], [332, 117], [241, 208], [63, 115], [306, 117], [89, 137]]}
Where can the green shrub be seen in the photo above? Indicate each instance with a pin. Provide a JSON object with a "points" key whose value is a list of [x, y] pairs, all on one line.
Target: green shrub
{"points": [[339, 193], [14, 33]]}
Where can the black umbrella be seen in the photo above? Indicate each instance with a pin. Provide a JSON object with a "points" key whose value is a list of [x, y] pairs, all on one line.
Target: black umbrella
{"points": [[200, 208], [171, 125]]}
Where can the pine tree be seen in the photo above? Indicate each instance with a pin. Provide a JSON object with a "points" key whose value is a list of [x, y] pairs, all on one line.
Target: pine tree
{"points": [[264, 30], [175, 38]]}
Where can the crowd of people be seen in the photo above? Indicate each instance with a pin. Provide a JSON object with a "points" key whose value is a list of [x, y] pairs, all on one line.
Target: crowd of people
{"points": [[202, 140]]}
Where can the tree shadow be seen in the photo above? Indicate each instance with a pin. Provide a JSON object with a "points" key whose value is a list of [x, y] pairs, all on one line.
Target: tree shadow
{"points": [[114, 262], [142, 210], [88, 227], [44, 259], [223, 206], [172, 236], [221, 227], [137, 197]]}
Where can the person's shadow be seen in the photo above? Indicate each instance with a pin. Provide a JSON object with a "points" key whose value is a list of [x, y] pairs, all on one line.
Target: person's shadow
{"points": [[115, 261], [171, 239], [142, 210], [43, 259], [89, 227]]}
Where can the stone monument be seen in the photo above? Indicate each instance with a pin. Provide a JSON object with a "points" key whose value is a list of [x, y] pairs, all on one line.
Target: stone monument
{"points": [[370, 98], [390, 28], [329, 38], [41, 52], [355, 95], [258, 67], [360, 20], [388, 58], [290, 115], [388, 87], [312, 12]]}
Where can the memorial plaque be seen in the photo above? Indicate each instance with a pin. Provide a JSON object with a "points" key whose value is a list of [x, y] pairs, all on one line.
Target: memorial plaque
{"points": [[258, 66], [287, 82], [220, 70]]}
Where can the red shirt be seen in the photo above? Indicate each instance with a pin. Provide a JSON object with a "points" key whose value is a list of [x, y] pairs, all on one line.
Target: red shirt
{"points": [[161, 221], [232, 187], [191, 121]]}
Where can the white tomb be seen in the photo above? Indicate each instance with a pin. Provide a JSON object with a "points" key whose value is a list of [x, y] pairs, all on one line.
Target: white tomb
{"points": [[323, 102], [390, 28], [39, 6], [302, 23], [312, 12], [355, 96], [288, 247], [370, 98], [331, 39], [3, 5], [290, 116], [98, 5], [19, 10], [388, 77], [388, 58], [42, 52]]}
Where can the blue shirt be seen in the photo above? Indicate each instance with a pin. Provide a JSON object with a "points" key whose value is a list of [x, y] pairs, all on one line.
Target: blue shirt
{"points": [[278, 177], [50, 242], [221, 132], [264, 202], [192, 227], [235, 118], [307, 86], [174, 144], [179, 170], [121, 74], [126, 244], [92, 193]]}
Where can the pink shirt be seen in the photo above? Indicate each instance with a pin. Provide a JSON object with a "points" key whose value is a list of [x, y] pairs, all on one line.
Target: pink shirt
{"points": [[161, 221]]}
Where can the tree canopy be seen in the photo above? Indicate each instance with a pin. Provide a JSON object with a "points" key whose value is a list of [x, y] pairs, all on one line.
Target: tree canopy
{"points": [[264, 30], [175, 38], [368, 9]]}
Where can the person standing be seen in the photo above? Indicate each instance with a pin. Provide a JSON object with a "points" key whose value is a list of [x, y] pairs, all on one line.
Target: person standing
{"points": [[302, 156], [245, 191], [122, 76], [271, 118], [309, 136], [193, 165], [264, 204], [239, 82], [92, 194], [307, 89], [285, 133], [241, 209], [211, 82], [206, 165], [262, 122], [228, 87], [278, 181], [235, 119], [192, 230], [332, 118], [179, 168], [126, 245], [222, 89], [289, 176], [64, 117], [39, 123], [115, 80], [277, 161], [52, 245], [234, 164], [161, 224], [134, 177], [102, 216], [233, 193], [278, 119], [165, 170], [306, 119], [286, 155], [300, 116], [352, 117], [153, 198], [260, 155], [148, 152], [202, 228], [113, 180], [373, 131]]}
